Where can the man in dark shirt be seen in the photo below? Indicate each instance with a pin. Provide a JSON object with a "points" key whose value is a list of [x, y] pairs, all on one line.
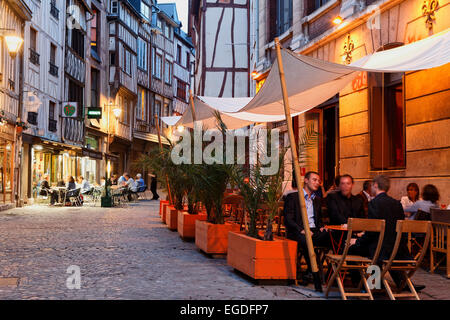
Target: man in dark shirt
{"points": [[389, 209], [293, 218], [343, 204]]}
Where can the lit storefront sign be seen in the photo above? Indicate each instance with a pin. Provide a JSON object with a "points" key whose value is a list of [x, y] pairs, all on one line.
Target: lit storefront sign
{"points": [[94, 113]]}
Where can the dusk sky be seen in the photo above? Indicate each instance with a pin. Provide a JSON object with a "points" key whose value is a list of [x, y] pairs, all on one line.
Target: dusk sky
{"points": [[182, 9]]}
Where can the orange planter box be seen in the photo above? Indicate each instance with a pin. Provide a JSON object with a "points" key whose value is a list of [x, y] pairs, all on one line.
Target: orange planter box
{"points": [[165, 209], [161, 205], [172, 218], [213, 238], [186, 223], [262, 259]]}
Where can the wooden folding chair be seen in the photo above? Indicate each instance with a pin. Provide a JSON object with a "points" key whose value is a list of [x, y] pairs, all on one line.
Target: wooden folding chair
{"points": [[344, 262], [440, 229], [407, 267]]}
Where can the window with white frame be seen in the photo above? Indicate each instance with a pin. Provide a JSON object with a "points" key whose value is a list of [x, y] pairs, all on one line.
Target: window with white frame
{"points": [[127, 61], [114, 6], [142, 54], [145, 10], [157, 64], [168, 72]]}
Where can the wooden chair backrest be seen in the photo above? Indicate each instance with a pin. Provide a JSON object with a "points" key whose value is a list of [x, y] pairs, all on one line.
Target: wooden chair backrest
{"points": [[440, 215], [371, 225], [439, 235], [367, 225], [410, 226]]}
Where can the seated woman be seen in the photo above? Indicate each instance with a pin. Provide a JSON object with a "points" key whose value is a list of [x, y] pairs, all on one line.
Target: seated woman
{"points": [[84, 185], [71, 183], [412, 196], [430, 196]]}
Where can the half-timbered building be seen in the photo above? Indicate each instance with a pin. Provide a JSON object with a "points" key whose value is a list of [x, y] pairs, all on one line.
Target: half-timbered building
{"points": [[183, 64], [144, 134], [95, 147], [220, 31], [43, 94], [123, 22], [13, 14], [162, 57]]}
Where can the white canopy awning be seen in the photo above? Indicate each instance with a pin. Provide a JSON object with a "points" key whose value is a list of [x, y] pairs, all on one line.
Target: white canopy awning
{"points": [[312, 81]]}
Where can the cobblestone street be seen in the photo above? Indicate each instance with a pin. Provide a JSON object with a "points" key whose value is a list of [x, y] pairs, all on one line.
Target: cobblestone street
{"points": [[125, 253]]}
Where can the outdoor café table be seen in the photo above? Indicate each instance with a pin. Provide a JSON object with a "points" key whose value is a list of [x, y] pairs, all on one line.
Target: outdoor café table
{"points": [[336, 245]]}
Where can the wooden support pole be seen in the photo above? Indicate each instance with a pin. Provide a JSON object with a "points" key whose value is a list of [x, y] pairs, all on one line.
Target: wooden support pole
{"points": [[161, 148], [191, 103], [298, 176]]}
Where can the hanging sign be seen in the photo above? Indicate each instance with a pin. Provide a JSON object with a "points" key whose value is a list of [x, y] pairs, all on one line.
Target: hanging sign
{"points": [[69, 109], [94, 113]]}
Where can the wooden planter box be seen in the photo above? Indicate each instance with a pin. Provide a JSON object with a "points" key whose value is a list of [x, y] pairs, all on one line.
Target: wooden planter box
{"points": [[172, 218], [262, 259], [161, 203], [186, 223], [165, 209], [213, 238]]}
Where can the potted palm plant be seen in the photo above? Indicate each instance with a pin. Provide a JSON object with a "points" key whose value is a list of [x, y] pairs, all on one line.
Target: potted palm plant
{"points": [[265, 257], [211, 236], [250, 253], [211, 180], [187, 218]]}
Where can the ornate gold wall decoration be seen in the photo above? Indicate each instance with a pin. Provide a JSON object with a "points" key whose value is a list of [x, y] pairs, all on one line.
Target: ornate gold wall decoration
{"points": [[348, 48], [428, 9]]}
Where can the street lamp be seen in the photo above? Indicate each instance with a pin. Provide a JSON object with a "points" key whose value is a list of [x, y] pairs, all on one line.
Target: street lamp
{"points": [[13, 42], [106, 200], [117, 112]]}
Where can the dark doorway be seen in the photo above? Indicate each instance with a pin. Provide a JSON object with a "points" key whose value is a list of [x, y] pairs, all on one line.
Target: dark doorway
{"points": [[330, 144]]}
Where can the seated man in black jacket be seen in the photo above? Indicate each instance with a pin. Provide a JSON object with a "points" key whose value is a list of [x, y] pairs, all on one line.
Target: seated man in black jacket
{"points": [[343, 204], [293, 218], [389, 209]]}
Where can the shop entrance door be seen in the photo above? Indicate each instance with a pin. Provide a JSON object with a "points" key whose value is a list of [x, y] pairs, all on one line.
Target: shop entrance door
{"points": [[6, 170], [324, 157]]}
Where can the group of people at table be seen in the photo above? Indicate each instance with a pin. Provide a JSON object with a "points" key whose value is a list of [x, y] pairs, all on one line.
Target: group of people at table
{"points": [[125, 183], [373, 202], [129, 186], [58, 193]]}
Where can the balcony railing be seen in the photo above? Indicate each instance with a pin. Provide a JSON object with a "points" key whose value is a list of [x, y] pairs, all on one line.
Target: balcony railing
{"points": [[54, 11], [53, 69], [52, 125], [122, 130], [34, 57], [143, 126]]}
